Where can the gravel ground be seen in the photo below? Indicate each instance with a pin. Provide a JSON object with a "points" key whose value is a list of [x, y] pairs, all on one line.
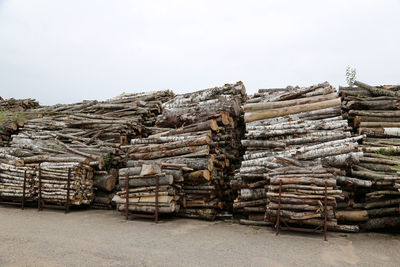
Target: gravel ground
{"points": [[104, 238]]}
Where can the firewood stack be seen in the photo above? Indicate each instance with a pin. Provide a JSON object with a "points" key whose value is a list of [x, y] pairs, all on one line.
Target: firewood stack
{"points": [[86, 134], [13, 113], [202, 131], [373, 185], [12, 182], [297, 137], [217, 110], [114, 121], [143, 187], [53, 184], [188, 152]]}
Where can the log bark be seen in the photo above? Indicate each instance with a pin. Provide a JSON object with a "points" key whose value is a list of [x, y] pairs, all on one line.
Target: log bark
{"points": [[352, 216], [380, 223], [272, 113], [105, 182], [288, 103], [148, 181]]}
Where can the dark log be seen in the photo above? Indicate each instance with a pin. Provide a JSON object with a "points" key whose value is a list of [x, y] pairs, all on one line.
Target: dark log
{"points": [[380, 223], [106, 181]]}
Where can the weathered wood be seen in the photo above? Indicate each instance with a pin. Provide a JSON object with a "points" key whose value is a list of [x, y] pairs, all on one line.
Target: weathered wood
{"points": [[105, 182], [352, 216], [272, 113], [280, 104], [148, 181], [197, 177], [379, 223]]}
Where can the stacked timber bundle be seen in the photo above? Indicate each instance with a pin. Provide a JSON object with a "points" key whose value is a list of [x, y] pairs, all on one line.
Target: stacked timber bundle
{"points": [[87, 134], [188, 152], [12, 182], [11, 103], [201, 130], [109, 122], [55, 182], [104, 188], [373, 185], [296, 140], [150, 187], [13, 114], [217, 110]]}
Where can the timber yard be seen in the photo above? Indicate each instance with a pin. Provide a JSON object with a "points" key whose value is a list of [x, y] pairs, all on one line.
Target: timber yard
{"points": [[213, 177]]}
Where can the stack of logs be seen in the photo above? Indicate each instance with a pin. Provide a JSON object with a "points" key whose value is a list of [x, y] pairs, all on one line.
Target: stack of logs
{"points": [[373, 186], [12, 182], [296, 142], [86, 134], [150, 187], [52, 185], [201, 130], [13, 113]]}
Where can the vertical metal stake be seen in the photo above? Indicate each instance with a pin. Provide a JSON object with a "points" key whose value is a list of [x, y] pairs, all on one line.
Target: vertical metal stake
{"points": [[127, 197], [325, 210], [156, 210], [40, 190], [278, 223], [68, 186], [23, 192]]}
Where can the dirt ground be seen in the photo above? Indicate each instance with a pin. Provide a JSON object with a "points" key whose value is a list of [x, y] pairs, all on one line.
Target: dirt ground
{"points": [[104, 238]]}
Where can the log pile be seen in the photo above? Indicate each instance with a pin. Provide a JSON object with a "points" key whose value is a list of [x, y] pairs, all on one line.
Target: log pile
{"points": [[13, 113], [373, 185], [84, 134], [297, 137], [202, 131], [150, 187], [51, 183], [104, 188], [114, 121], [24, 104], [12, 182]]}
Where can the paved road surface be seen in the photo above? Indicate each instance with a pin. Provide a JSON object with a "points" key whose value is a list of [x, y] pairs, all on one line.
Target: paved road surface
{"points": [[104, 238]]}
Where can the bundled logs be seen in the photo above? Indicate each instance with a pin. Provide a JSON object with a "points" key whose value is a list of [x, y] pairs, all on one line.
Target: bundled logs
{"points": [[84, 135], [56, 182], [13, 114], [11, 103], [104, 185], [12, 179], [149, 187], [373, 185], [109, 122], [202, 131], [296, 142], [190, 154]]}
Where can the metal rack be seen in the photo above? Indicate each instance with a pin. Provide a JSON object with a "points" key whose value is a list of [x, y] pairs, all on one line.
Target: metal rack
{"points": [[140, 215], [22, 204], [41, 202], [319, 229]]}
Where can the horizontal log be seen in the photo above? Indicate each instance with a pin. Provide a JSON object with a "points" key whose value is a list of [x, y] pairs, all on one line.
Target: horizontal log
{"points": [[272, 113], [294, 102]]}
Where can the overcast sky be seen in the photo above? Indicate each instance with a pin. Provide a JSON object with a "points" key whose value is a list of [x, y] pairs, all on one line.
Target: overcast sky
{"points": [[66, 51]]}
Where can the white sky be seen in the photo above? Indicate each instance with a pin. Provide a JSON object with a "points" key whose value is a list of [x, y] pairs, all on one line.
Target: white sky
{"points": [[66, 51]]}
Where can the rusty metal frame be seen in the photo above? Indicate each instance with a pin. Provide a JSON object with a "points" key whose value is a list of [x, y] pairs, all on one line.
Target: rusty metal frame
{"points": [[319, 229], [42, 204], [140, 215], [23, 201]]}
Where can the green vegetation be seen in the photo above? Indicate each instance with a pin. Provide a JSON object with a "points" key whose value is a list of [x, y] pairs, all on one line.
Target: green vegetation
{"points": [[390, 151], [350, 76], [11, 116], [107, 161], [3, 116]]}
